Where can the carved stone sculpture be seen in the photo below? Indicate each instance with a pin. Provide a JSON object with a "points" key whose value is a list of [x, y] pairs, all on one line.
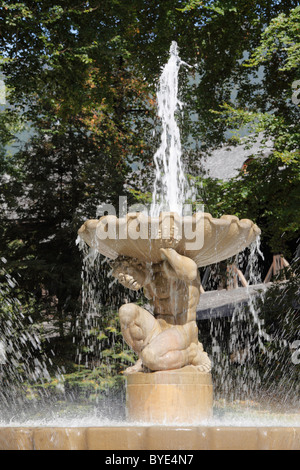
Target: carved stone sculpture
{"points": [[169, 338], [171, 381], [165, 265]]}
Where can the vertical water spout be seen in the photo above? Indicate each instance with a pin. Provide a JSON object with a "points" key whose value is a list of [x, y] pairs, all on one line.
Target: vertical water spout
{"points": [[170, 181]]}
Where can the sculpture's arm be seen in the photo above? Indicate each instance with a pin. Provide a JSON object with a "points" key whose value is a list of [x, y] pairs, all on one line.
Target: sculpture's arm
{"points": [[129, 273], [176, 265]]}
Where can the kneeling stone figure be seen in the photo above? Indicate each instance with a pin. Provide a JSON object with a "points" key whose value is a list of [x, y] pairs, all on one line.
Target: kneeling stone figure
{"points": [[168, 339]]}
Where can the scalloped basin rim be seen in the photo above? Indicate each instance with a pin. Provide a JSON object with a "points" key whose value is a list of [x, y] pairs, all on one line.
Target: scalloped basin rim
{"points": [[201, 237]]}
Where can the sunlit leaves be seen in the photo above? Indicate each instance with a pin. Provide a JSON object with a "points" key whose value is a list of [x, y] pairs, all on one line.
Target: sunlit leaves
{"points": [[281, 36]]}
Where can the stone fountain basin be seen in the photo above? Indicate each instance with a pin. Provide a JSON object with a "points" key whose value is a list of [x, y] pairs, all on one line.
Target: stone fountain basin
{"points": [[200, 237], [144, 437]]}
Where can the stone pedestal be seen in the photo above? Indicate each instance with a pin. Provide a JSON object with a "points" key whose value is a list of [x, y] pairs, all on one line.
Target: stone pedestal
{"points": [[175, 396]]}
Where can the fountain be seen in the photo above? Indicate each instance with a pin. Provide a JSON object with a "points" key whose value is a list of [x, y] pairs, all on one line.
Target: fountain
{"points": [[171, 380], [169, 393]]}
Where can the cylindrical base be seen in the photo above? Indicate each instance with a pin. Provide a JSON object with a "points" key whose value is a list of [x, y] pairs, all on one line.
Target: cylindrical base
{"points": [[174, 396]]}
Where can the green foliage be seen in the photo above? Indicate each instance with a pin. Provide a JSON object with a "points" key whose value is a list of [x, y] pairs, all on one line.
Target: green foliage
{"points": [[267, 190], [282, 36], [219, 7], [98, 373], [267, 193]]}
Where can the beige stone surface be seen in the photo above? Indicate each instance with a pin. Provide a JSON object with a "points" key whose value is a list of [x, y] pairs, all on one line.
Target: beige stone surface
{"points": [[122, 438], [232, 438], [169, 396], [219, 238], [168, 338], [278, 438], [16, 438], [172, 438], [150, 438], [59, 438]]}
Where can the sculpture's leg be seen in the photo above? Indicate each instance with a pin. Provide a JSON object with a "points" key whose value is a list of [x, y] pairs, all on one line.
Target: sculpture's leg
{"points": [[171, 349], [201, 359], [137, 367], [138, 327]]}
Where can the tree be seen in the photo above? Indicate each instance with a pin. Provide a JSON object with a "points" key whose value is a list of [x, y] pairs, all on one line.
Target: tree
{"points": [[84, 103], [267, 190]]}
